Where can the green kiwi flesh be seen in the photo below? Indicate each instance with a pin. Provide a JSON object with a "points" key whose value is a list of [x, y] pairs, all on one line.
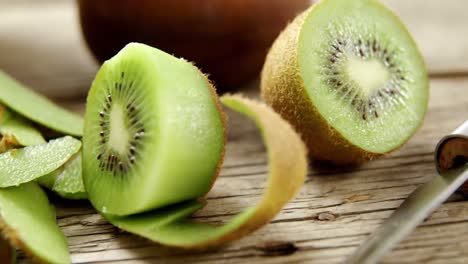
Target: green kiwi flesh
{"points": [[28, 222], [350, 78], [23, 165], [287, 170], [38, 108], [66, 181], [154, 133], [16, 126]]}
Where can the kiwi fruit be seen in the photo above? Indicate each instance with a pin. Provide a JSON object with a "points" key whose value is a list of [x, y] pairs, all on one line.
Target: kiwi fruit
{"points": [[28, 222], [17, 131], [153, 134], [23, 165], [218, 36], [66, 181], [38, 108], [287, 169], [350, 78]]}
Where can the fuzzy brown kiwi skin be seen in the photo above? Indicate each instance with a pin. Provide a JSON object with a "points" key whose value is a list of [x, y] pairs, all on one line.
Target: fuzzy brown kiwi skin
{"points": [[283, 89], [10, 235], [223, 118]]}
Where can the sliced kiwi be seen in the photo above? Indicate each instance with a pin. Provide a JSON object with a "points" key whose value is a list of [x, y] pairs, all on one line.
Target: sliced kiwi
{"points": [[17, 131], [288, 167], [28, 222], [154, 132], [349, 77], [67, 181], [23, 165], [38, 108]]}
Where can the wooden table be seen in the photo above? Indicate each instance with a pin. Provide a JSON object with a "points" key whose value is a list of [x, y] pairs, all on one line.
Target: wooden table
{"points": [[336, 210]]}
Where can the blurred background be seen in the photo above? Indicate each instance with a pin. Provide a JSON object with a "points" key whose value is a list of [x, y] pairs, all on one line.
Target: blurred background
{"points": [[42, 45]]}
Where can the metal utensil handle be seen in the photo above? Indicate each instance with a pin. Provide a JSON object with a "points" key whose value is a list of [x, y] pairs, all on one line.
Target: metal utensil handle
{"points": [[421, 203]]}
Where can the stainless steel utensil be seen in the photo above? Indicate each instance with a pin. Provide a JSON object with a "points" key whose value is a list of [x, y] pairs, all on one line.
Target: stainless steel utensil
{"points": [[451, 157]]}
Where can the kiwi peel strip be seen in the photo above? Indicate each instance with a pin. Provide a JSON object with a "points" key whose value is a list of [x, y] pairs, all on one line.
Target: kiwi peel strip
{"points": [[17, 131], [38, 108], [287, 170], [66, 181], [18, 166], [28, 222]]}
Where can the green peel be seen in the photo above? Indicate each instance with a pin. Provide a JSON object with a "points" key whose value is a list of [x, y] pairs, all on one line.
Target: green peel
{"points": [[67, 181], [19, 166], [287, 165], [28, 222], [38, 108], [13, 125]]}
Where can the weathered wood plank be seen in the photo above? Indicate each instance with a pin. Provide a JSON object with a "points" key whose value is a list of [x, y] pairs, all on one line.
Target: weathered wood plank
{"points": [[439, 28], [334, 212], [41, 43]]}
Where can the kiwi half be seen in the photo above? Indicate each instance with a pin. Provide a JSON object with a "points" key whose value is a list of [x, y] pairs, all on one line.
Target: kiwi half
{"points": [[23, 165], [28, 223], [38, 108], [154, 132], [287, 169], [349, 77]]}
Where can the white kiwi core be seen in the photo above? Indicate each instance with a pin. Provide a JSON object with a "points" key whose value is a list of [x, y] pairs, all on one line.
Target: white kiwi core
{"points": [[371, 75], [119, 136]]}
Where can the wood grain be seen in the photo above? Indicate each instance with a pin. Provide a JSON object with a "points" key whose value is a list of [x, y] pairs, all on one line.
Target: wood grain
{"points": [[336, 210]]}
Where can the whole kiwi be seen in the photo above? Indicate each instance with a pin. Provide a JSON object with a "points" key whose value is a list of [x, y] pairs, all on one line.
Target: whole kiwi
{"points": [[227, 39]]}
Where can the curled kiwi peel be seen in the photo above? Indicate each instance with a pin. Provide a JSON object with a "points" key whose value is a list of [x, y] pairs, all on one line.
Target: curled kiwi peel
{"points": [[38, 108], [198, 124], [23, 165], [66, 181], [287, 169], [28, 223]]}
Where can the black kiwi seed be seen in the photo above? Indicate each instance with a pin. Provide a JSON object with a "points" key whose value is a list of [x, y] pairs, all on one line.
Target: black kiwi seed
{"points": [[110, 160], [361, 52], [365, 48]]}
